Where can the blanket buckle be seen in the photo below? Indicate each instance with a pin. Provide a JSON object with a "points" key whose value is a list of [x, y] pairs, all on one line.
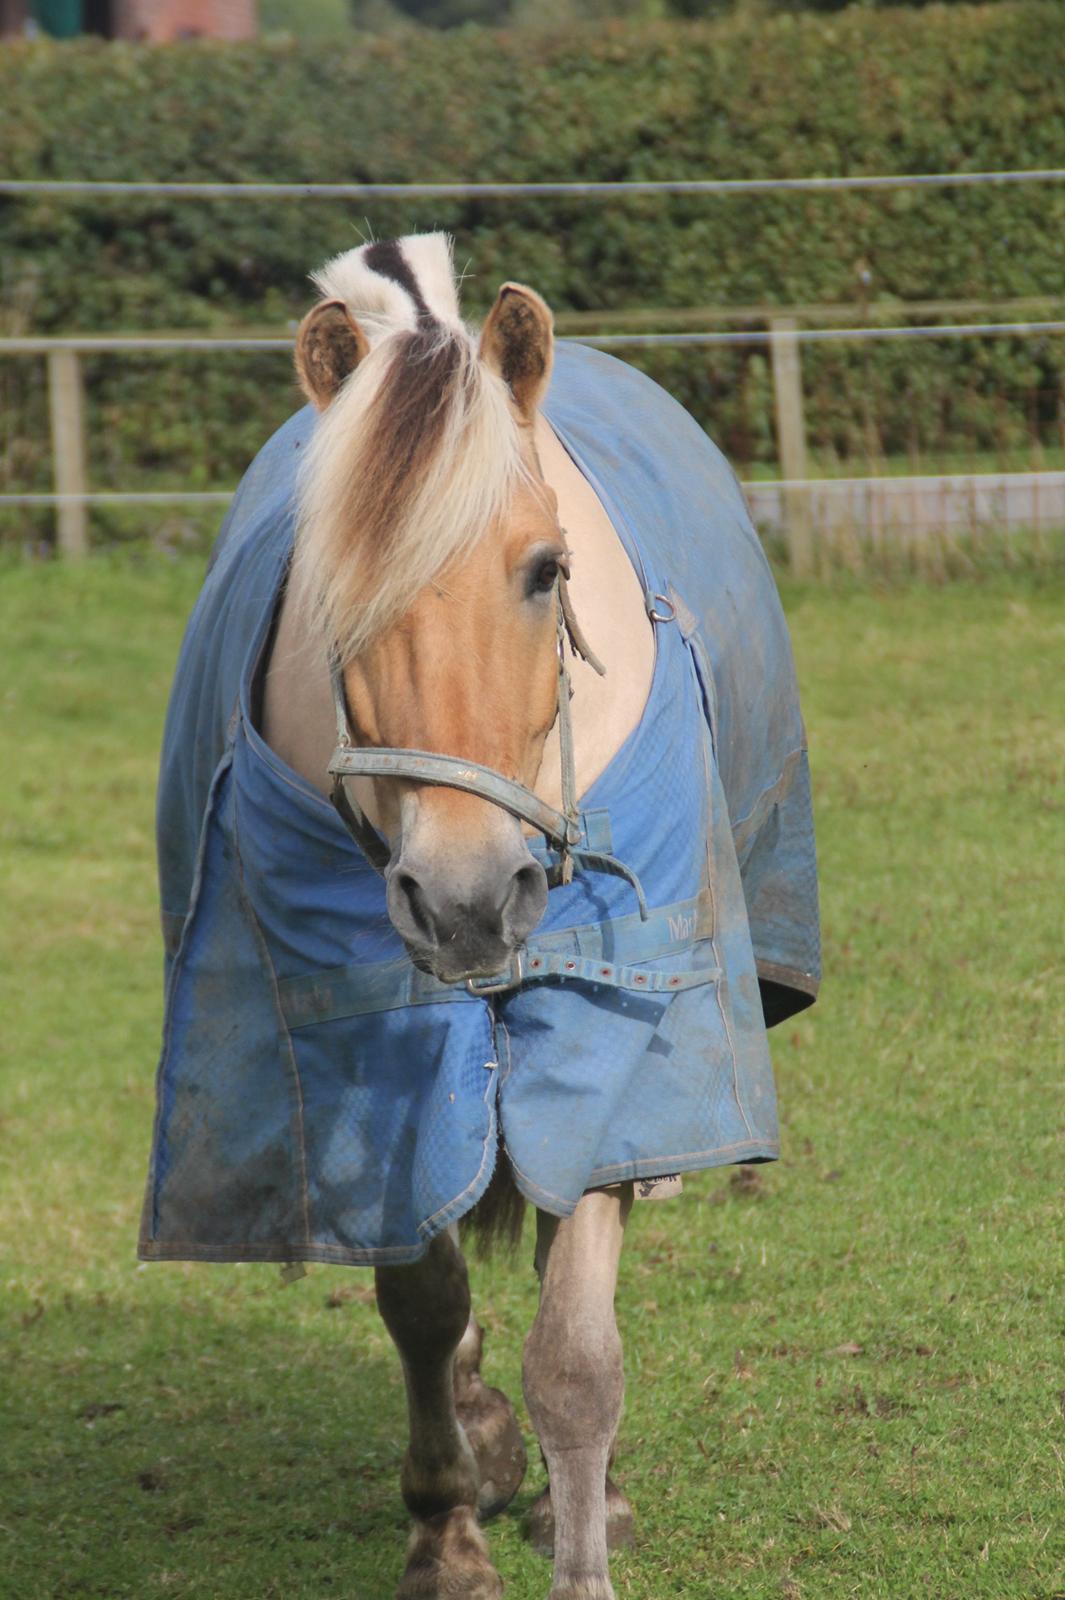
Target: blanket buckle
{"points": [[509, 979]]}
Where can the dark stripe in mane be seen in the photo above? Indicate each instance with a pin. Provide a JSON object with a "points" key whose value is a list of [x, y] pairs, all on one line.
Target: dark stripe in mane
{"points": [[415, 400], [386, 258], [417, 457]]}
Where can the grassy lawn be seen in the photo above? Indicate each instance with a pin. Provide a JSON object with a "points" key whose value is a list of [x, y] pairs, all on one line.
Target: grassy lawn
{"points": [[845, 1375]]}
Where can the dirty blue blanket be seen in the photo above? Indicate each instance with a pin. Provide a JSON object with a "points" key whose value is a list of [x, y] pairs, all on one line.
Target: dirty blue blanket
{"points": [[318, 1098]]}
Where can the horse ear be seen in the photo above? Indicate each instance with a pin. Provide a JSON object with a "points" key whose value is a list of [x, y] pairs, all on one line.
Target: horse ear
{"points": [[517, 343], [329, 345]]}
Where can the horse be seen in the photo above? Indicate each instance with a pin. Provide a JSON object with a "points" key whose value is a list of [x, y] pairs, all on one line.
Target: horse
{"points": [[486, 862]]}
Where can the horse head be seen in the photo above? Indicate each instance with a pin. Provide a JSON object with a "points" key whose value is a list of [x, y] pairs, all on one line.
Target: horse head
{"points": [[430, 548]]}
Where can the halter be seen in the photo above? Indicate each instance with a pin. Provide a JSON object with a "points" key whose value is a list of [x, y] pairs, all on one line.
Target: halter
{"points": [[561, 829]]}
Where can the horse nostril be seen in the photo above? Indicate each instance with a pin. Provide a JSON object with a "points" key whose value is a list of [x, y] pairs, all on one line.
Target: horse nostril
{"points": [[526, 901], [470, 921], [406, 887]]}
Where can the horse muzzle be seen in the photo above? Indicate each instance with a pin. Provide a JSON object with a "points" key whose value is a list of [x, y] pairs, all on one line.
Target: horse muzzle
{"points": [[465, 920]]}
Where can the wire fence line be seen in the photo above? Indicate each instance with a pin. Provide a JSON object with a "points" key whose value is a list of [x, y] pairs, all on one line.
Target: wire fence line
{"points": [[951, 330], [783, 336], [120, 497], [757, 489], [917, 519], [621, 189], [72, 496], [132, 343]]}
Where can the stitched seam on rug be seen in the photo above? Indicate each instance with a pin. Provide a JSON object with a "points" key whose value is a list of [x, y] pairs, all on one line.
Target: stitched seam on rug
{"points": [[539, 1186], [770, 795], [792, 977], [288, 1048], [448, 1212], [490, 1144], [722, 989], [338, 1254], [225, 762], [665, 1162], [269, 759]]}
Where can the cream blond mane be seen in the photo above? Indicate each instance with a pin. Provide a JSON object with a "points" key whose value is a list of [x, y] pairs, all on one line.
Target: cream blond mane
{"points": [[415, 459]]}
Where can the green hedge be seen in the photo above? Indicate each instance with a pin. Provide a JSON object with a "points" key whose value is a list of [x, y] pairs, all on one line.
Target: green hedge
{"points": [[942, 88]]}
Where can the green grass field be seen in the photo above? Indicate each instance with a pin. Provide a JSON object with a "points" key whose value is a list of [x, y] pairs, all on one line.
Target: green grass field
{"points": [[845, 1372]]}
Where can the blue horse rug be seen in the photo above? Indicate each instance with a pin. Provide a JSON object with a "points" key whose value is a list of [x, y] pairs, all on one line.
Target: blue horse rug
{"points": [[321, 1099]]}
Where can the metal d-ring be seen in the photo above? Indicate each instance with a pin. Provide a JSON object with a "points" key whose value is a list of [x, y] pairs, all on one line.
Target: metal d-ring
{"points": [[657, 616], [512, 978]]}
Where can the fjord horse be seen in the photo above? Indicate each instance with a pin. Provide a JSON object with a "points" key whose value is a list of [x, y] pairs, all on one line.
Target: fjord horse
{"points": [[434, 625], [439, 513]]}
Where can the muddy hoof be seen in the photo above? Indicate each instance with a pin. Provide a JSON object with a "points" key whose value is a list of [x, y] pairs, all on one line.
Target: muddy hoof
{"points": [[540, 1525], [447, 1559], [540, 1522], [491, 1427], [582, 1589], [619, 1528]]}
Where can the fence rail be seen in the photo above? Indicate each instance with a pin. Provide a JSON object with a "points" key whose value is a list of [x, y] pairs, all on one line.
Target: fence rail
{"points": [[904, 508], [783, 334], [97, 344], [621, 189], [797, 506], [901, 512], [120, 497]]}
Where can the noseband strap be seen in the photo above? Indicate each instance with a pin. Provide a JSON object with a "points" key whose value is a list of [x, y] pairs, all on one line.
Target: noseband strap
{"points": [[449, 772], [561, 829]]}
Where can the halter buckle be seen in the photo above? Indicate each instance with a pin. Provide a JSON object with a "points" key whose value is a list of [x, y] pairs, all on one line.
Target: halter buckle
{"points": [[510, 979]]}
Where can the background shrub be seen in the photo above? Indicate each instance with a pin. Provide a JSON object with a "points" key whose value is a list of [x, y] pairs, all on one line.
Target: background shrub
{"points": [[939, 88]]}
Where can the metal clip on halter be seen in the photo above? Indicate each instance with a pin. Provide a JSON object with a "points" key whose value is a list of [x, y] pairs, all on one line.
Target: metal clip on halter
{"points": [[511, 978]]}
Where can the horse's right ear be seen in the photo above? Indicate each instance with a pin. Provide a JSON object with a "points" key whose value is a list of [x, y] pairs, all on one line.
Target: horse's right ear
{"points": [[329, 346], [517, 343]]}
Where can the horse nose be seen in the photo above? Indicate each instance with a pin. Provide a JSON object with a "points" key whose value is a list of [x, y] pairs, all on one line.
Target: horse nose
{"points": [[465, 928]]}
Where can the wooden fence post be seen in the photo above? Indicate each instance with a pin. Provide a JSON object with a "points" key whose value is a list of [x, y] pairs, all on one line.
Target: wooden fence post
{"points": [[791, 440], [66, 403]]}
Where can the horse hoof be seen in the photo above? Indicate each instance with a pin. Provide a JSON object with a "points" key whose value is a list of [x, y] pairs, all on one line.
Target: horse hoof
{"points": [[489, 1423], [447, 1559], [619, 1523], [540, 1525], [540, 1522], [583, 1589]]}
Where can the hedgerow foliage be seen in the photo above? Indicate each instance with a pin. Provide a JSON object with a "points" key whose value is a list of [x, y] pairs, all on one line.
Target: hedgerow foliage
{"points": [[937, 89]]}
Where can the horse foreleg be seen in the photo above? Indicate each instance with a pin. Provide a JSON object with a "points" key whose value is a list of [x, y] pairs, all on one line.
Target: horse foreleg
{"points": [[540, 1519], [574, 1382], [426, 1309]]}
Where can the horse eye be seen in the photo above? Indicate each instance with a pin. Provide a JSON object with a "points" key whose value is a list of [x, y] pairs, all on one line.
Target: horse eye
{"points": [[545, 575]]}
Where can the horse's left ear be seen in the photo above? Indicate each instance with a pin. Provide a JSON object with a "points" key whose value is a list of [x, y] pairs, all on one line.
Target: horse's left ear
{"points": [[517, 343], [329, 346]]}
